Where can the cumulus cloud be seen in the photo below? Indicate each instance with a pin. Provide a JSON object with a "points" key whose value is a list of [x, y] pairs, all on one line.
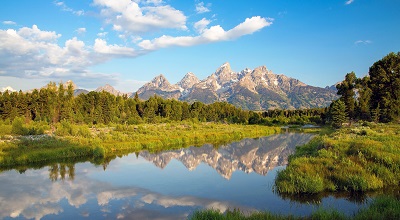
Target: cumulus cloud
{"points": [[129, 16], [348, 2], [212, 34], [35, 54], [201, 8], [9, 23]]}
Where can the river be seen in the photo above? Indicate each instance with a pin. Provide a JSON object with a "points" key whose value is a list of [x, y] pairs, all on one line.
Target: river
{"points": [[164, 185]]}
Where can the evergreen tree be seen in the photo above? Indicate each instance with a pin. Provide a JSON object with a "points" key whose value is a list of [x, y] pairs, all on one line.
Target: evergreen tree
{"points": [[338, 113], [346, 90], [385, 86]]}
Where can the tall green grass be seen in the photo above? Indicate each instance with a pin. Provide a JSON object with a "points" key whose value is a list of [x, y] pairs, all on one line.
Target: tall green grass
{"points": [[350, 159], [66, 140], [383, 207]]}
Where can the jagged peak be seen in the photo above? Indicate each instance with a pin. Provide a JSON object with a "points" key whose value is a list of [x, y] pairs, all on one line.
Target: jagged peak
{"points": [[160, 81], [261, 69], [226, 67], [188, 81]]}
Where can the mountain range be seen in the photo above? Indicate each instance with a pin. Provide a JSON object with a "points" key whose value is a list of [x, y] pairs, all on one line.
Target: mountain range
{"points": [[252, 89], [257, 89]]}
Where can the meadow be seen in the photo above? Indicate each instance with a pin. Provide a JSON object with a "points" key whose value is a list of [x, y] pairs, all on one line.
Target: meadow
{"points": [[355, 158], [43, 142]]}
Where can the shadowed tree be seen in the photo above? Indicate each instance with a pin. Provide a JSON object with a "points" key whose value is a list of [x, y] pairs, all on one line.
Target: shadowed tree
{"points": [[385, 86]]}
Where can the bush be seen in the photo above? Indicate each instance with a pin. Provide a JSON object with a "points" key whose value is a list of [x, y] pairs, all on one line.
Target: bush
{"points": [[18, 127]]}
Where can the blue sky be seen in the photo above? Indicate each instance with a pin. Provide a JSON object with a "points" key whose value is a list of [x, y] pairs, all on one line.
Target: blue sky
{"points": [[126, 43]]}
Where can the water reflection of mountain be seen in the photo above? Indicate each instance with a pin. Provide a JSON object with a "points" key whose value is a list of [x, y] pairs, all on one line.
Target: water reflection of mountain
{"points": [[249, 155]]}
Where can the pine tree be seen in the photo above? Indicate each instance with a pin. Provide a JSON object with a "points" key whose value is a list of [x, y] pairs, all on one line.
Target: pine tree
{"points": [[385, 86], [346, 90], [338, 113]]}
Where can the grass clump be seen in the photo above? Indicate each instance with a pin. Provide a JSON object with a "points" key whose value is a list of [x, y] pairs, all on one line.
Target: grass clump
{"points": [[350, 159], [383, 207]]}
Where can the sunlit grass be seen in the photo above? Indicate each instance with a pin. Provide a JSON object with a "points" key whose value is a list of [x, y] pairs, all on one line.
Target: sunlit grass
{"points": [[350, 159], [66, 140]]}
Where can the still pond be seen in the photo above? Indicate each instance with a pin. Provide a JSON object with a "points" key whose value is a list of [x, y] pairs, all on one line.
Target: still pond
{"points": [[164, 185]]}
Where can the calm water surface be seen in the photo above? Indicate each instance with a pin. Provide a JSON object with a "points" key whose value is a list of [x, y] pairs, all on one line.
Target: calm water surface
{"points": [[166, 185]]}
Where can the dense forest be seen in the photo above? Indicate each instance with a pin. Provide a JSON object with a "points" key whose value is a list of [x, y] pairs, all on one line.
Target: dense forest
{"points": [[55, 103], [375, 97]]}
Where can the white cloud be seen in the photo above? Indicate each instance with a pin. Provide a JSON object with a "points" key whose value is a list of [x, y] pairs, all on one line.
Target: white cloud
{"points": [[362, 42], [64, 7], [102, 34], [212, 34], [348, 2], [35, 34], [200, 8], [31, 53], [201, 25], [81, 30], [101, 46], [9, 23], [129, 16]]}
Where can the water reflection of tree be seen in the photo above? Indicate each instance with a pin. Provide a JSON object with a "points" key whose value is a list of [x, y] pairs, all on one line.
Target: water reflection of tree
{"points": [[61, 171]]}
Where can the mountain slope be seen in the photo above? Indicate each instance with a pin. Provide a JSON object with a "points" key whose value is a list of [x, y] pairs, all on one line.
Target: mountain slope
{"points": [[161, 87], [258, 89]]}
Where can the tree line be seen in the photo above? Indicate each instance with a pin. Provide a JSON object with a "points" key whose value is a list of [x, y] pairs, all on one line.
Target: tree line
{"points": [[55, 103], [375, 97]]}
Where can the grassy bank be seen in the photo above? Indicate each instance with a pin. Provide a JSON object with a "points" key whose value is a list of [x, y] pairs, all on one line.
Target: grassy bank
{"points": [[381, 208], [360, 158], [66, 140]]}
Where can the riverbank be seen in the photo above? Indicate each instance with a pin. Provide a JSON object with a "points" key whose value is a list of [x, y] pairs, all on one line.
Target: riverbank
{"points": [[362, 158], [386, 207], [66, 140]]}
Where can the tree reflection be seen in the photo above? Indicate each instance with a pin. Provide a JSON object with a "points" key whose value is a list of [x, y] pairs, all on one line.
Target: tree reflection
{"points": [[61, 172]]}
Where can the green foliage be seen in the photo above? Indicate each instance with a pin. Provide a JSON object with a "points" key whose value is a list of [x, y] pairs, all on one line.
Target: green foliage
{"points": [[103, 141], [383, 207], [33, 128], [18, 127], [385, 86], [338, 113], [346, 90], [350, 159]]}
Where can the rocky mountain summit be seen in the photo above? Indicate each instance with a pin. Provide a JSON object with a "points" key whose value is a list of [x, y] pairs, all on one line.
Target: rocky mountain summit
{"points": [[258, 89]]}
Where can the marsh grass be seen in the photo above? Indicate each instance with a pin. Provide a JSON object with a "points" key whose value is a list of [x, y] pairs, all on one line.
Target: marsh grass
{"points": [[350, 159], [383, 207], [71, 140]]}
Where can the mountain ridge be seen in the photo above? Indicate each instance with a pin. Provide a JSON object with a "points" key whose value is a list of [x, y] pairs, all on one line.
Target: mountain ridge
{"points": [[251, 89], [257, 89]]}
